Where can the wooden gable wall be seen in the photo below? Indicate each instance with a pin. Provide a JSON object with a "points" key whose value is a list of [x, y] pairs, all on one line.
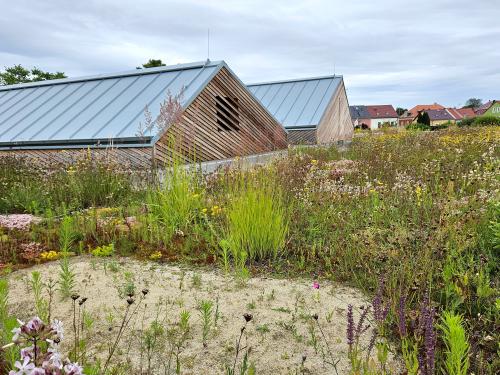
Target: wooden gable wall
{"points": [[336, 124], [200, 136]]}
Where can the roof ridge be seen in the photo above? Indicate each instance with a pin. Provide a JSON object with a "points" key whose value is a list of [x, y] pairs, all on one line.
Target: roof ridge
{"points": [[295, 80], [128, 73]]}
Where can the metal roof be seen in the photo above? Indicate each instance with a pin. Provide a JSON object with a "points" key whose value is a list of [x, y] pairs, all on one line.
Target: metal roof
{"points": [[89, 110], [359, 111], [298, 103]]}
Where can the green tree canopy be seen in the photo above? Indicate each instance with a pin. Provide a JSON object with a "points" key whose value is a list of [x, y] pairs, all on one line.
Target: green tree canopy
{"points": [[400, 111], [423, 118], [473, 103], [19, 74], [152, 63]]}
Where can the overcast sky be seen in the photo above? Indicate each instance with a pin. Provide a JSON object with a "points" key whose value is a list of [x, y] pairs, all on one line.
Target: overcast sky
{"points": [[389, 51]]}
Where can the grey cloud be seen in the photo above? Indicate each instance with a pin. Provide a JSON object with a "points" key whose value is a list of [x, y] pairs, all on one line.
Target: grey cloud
{"points": [[389, 51]]}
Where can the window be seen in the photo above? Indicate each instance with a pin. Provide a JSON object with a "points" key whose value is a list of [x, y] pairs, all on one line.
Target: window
{"points": [[228, 113]]}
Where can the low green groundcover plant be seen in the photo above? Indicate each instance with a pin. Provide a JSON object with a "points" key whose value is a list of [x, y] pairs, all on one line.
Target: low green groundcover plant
{"points": [[414, 215]]}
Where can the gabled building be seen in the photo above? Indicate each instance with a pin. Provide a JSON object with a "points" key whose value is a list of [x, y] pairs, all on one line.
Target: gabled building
{"points": [[492, 108], [411, 115], [373, 116], [219, 117], [459, 114], [440, 116], [360, 116], [312, 110]]}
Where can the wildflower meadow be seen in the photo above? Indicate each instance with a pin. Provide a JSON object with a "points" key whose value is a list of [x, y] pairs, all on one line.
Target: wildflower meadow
{"points": [[377, 258]]}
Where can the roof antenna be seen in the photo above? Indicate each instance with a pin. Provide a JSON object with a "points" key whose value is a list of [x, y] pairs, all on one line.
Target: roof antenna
{"points": [[208, 44], [333, 70]]}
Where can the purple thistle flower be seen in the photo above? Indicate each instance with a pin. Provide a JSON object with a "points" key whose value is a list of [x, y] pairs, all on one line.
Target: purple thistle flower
{"points": [[350, 327]]}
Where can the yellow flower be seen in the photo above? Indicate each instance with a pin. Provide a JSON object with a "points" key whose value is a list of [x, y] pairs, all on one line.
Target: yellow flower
{"points": [[418, 193], [49, 255], [216, 210], [156, 255], [314, 162], [196, 196], [204, 210]]}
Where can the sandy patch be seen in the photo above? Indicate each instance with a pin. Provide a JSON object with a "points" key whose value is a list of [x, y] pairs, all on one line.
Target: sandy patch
{"points": [[278, 334]]}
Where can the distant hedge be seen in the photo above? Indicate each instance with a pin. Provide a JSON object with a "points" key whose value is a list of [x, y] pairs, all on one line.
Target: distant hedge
{"points": [[480, 121], [418, 126]]}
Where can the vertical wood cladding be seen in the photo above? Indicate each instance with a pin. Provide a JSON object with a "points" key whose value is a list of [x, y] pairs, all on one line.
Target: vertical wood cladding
{"points": [[336, 124], [224, 121]]}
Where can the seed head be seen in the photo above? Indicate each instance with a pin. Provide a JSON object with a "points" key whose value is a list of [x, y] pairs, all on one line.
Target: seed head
{"points": [[145, 291], [74, 297], [130, 300], [82, 301], [315, 316], [247, 317]]}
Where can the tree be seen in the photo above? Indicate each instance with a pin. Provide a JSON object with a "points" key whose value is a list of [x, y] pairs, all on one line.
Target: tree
{"points": [[19, 74], [423, 118], [473, 103], [152, 63], [400, 111]]}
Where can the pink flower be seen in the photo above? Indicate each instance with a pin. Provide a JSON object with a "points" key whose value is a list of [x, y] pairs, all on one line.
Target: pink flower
{"points": [[73, 369], [25, 368], [315, 285], [34, 325]]}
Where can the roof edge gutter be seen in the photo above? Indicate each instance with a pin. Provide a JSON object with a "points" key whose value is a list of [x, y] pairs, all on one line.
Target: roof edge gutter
{"points": [[78, 144]]}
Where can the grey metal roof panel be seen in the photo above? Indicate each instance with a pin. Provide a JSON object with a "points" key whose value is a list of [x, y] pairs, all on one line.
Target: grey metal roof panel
{"points": [[98, 107], [359, 111], [297, 103]]}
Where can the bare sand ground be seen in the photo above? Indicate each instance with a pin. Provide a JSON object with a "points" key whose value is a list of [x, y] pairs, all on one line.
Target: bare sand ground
{"points": [[278, 335]]}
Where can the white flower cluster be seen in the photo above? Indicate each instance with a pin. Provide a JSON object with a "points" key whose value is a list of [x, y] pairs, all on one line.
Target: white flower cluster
{"points": [[35, 359]]}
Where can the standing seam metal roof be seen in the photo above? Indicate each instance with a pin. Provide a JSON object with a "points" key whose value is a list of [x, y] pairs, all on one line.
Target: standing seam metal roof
{"points": [[89, 109], [298, 103]]}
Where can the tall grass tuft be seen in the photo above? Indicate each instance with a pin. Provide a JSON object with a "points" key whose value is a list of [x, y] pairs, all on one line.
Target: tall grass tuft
{"points": [[67, 237], [7, 324], [257, 223], [457, 347], [173, 206]]}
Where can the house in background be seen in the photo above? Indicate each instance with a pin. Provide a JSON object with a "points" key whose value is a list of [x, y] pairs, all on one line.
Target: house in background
{"points": [[360, 116], [492, 108], [411, 115], [467, 112], [312, 110], [219, 119], [374, 116], [440, 116], [459, 114]]}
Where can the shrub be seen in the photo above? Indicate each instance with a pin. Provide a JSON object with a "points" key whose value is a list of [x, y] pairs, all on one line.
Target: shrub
{"points": [[103, 251], [257, 223], [418, 126], [466, 121], [480, 121], [486, 121]]}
